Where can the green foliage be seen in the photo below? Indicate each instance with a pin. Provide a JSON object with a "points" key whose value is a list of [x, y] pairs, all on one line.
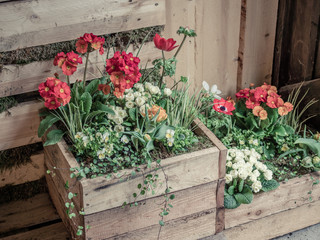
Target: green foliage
{"points": [[269, 185], [53, 137], [169, 66], [7, 103]]}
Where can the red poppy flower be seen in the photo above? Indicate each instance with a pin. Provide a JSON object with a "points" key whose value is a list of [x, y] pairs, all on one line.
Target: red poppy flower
{"points": [[104, 88], [68, 68], [223, 106], [164, 44], [82, 46]]}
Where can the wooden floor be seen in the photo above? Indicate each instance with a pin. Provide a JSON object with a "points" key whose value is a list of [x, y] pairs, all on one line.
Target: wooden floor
{"points": [[35, 218]]}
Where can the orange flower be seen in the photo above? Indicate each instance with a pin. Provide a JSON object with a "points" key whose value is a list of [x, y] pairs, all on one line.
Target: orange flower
{"points": [[263, 114], [289, 106], [104, 88], [283, 111], [256, 110], [154, 110]]}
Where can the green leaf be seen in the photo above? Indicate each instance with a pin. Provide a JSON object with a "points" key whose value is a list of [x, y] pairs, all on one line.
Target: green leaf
{"points": [[132, 114], [53, 137], [87, 101], [230, 202], [231, 190], [161, 223], [240, 187], [245, 197], [92, 86], [70, 195], [172, 196], [149, 146], [102, 107], [161, 133], [269, 185], [46, 123], [279, 130], [312, 144]]}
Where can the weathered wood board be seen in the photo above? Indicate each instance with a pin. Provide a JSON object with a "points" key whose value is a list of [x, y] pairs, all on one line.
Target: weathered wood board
{"points": [[17, 78], [31, 23], [31, 171], [194, 179]]}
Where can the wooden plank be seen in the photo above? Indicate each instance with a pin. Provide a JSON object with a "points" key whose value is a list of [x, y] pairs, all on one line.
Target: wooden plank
{"points": [[26, 213], [220, 211], [183, 171], [189, 227], [291, 194], [316, 71], [117, 221], [277, 224], [31, 171], [259, 39], [17, 79], [53, 231], [32, 23], [19, 125]]}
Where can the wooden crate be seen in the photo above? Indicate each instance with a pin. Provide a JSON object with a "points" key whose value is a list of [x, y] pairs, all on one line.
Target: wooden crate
{"points": [[194, 178], [293, 206]]}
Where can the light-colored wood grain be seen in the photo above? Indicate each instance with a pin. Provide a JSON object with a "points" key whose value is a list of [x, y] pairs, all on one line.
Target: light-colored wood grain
{"points": [[26, 213], [32, 23], [291, 194], [19, 125], [51, 232], [212, 55], [31, 171], [120, 220], [17, 78], [277, 224], [189, 227], [184, 171], [259, 40]]}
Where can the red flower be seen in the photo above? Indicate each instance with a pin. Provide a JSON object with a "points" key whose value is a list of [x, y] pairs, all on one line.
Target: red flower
{"points": [[251, 104], [44, 90], [62, 90], [164, 44], [68, 68], [223, 106], [97, 42], [243, 93], [289, 106], [64, 101], [272, 102], [104, 88], [59, 59], [260, 94], [101, 50], [74, 58], [88, 37], [118, 92], [52, 103], [82, 46]]}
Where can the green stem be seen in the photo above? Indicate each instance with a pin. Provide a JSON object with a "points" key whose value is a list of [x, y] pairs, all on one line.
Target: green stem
{"points": [[163, 69], [68, 81], [183, 40], [85, 70]]}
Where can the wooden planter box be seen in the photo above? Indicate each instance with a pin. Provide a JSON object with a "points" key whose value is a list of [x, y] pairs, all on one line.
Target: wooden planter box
{"points": [[293, 206], [196, 179]]}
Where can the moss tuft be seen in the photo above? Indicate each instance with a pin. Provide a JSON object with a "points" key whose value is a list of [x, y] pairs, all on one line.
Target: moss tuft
{"points": [[6, 103]]}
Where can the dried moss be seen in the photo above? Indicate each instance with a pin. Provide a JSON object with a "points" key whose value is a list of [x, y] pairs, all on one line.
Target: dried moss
{"points": [[49, 51], [14, 157], [23, 191], [6, 103]]}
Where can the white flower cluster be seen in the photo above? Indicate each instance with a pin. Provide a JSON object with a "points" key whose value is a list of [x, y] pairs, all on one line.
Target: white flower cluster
{"points": [[170, 137], [118, 117], [244, 164]]}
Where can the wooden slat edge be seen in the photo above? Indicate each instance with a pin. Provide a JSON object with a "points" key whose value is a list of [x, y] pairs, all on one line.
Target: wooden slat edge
{"points": [[18, 79], [19, 125], [32, 23], [31, 171], [220, 212]]}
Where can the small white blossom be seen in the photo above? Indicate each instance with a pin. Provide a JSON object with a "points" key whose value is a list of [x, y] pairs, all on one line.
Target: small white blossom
{"points": [[118, 120], [122, 113], [268, 174], [241, 142], [140, 101], [124, 139], [129, 97], [229, 164], [255, 142], [85, 140], [154, 90], [256, 186], [137, 94], [101, 154], [169, 133], [167, 91], [130, 104], [119, 128], [214, 89], [228, 178]]}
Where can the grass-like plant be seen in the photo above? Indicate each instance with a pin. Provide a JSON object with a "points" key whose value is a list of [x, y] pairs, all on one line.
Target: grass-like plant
{"points": [[294, 118]]}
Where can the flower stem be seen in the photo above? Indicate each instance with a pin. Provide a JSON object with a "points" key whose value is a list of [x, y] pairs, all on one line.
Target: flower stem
{"points": [[163, 69], [85, 70], [68, 81], [183, 40]]}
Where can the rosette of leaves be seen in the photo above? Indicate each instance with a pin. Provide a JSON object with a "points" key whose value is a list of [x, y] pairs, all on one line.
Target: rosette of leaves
{"points": [[86, 105]]}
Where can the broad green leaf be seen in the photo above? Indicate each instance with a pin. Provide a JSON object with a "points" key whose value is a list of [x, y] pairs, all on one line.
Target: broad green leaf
{"points": [[312, 144], [279, 130], [87, 102], [149, 146], [46, 123], [240, 187], [132, 114], [246, 196], [268, 185], [230, 202], [231, 190], [92, 86], [161, 133], [102, 107], [91, 115], [53, 137]]}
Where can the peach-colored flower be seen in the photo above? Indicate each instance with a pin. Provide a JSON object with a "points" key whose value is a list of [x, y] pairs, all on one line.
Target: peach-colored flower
{"points": [[153, 112], [256, 110], [263, 114], [282, 111], [289, 106]]}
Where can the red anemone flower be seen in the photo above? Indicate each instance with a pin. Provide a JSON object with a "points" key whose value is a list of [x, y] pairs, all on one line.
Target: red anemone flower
{"points": [[164, 44], [223, 106]]}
